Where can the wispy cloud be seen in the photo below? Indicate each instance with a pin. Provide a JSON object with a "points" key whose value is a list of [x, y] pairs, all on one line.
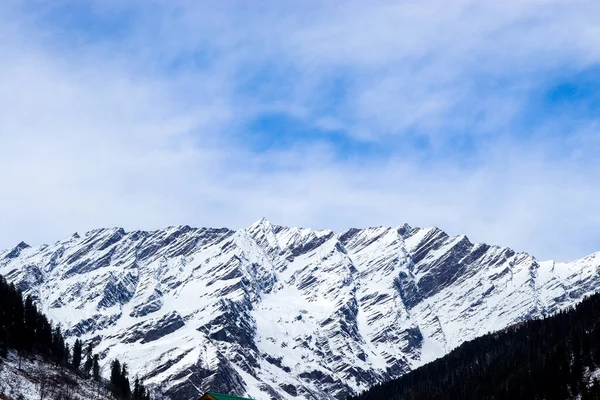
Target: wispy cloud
{"points": [[478, 117]]}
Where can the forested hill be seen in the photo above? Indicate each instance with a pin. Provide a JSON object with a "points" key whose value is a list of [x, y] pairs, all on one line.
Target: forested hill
{"points": [[37, 363], [555, 358]]}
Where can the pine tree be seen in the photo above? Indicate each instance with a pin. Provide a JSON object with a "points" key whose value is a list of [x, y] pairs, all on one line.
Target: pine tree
{"points": [[67, 355], [58, 346], [77, 350], [96, 368], [137, 391], [88, 364], [115, 376], [3, 343], [19, 334], [30, 324], [125, 386], [43, 335]]}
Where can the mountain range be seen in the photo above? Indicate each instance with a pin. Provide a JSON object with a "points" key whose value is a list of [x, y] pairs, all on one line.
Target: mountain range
{"points": [[274, 312]]}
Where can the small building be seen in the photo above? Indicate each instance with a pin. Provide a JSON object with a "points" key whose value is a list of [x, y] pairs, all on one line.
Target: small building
{"points": [[219, 396]]}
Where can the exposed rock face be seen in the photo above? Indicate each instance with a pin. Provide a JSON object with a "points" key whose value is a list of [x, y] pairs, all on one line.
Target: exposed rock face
{"points": [[282, 313]]}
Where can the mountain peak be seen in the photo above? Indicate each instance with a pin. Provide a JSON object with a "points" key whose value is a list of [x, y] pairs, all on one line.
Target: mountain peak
{"points": [[262, 222], [16, 251], [22, 245]]}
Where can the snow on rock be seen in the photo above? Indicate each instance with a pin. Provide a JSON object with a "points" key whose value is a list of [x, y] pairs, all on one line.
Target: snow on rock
{"points": [[285, 313]]}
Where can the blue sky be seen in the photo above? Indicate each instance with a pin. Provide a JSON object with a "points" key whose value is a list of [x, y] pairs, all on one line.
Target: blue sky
{"points": [[475, 116]]}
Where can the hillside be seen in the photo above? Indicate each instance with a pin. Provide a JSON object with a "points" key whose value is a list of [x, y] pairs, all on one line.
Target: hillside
{"points": [[33, 378], [37, 363], [555, 358]]}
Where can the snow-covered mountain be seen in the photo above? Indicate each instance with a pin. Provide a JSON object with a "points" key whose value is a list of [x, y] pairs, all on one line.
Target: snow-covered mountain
{"points": [[286, 313]]}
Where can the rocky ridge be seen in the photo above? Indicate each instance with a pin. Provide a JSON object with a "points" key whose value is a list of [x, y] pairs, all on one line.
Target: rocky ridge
{"points": [[286, 313]]}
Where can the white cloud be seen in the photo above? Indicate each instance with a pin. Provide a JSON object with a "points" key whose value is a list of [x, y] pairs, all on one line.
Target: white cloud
{"points": [[101, 133]]}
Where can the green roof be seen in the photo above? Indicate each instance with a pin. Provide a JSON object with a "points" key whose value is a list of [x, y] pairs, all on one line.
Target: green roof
{"points": [[220, 396]]}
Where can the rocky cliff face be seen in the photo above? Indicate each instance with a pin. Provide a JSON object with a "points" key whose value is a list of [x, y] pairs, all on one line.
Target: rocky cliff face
{"points": [[286, 313]]}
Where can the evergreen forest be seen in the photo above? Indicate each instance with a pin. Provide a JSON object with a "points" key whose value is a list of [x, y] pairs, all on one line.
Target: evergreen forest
{"points": [[555, 358], [27, 331]]}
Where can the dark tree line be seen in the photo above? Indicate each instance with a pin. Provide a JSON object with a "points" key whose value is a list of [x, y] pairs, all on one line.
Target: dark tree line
{"points": [[547, 359], [28, 331], [120, 385]]}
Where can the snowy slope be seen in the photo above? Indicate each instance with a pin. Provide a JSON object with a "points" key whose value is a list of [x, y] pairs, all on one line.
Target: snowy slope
{"points": [[286, 313], [34, 379]]}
